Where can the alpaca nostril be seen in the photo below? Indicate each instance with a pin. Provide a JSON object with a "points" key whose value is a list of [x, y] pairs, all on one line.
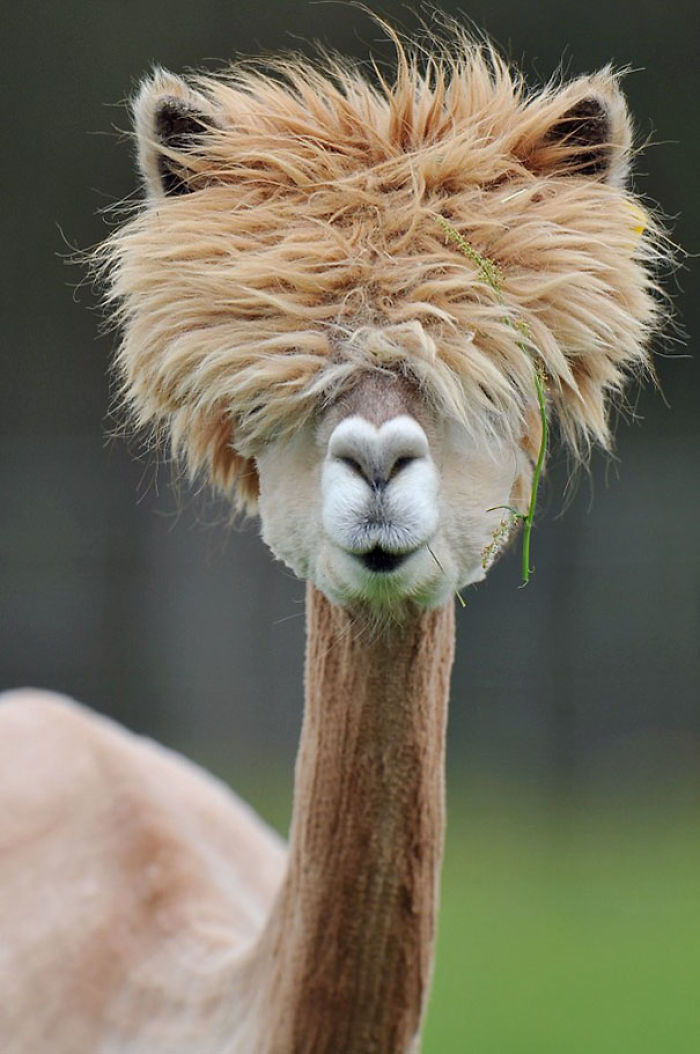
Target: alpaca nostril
{"points": [[377, 455], [354, 466], [368, 472], [372, 474], [400, 464]]}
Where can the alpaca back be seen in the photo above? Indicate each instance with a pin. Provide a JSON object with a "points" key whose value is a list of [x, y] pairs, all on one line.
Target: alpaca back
{"points": [[128, 877]]}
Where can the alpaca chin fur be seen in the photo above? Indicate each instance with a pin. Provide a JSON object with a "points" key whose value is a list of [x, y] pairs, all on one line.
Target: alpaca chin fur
{"points": [[307, 247]]}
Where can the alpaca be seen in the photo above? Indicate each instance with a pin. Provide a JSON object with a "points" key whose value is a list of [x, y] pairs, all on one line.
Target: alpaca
{"points": [[298, 323]]}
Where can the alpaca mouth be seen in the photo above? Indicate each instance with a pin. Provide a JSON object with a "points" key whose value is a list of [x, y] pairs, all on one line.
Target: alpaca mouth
{"points": [[381, 561]]}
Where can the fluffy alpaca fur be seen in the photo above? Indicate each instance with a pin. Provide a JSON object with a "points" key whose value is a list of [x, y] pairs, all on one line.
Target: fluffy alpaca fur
{"points": [[294, 312], [312, 250]]}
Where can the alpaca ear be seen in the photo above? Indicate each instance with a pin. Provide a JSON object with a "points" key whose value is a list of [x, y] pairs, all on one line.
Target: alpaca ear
{"points": [[590, 136], [171, 121]]}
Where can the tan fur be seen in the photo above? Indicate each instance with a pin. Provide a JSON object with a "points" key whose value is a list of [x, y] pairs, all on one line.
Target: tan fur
{"points": [[345, 963], [310, 246], [144, 891], [129, 877], [302, 290]]}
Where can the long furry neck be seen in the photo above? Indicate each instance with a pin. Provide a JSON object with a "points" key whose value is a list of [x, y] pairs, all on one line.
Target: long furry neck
{"points": [[350, 940]]}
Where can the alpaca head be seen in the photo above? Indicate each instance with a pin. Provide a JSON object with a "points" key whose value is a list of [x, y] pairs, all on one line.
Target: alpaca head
{"points": [[299, 322]]}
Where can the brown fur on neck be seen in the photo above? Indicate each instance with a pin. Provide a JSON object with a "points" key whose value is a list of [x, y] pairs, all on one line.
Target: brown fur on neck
{"points": [[351, 936]]}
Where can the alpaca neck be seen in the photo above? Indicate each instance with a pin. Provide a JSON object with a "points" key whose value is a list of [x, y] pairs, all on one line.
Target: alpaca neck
{"points": [[348, 948]]}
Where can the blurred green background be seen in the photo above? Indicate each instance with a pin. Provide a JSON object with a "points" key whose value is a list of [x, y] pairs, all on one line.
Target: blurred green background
{"points": [[571, 918]]}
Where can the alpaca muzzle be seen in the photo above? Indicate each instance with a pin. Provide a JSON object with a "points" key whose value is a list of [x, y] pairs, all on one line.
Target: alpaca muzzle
{"points": [[380, 490]]}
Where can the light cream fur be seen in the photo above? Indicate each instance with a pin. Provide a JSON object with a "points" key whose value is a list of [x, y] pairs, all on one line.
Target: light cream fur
{"points": [[299, 322], [154, 914], [442, 511], [128, 879], [310, 248]]}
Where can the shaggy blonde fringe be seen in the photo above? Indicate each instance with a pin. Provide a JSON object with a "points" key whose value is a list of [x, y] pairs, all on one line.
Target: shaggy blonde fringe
{"points": [[311, 249]]}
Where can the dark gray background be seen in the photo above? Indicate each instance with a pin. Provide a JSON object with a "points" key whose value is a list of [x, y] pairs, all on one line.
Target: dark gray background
{"points": [[145, 604]]}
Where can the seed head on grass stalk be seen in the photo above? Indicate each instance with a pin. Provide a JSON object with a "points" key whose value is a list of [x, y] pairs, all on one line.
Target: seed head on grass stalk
{"points": [[491, 274]]}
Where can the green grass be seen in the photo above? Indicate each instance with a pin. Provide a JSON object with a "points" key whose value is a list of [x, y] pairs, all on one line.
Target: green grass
{"points": [[490, 273], [569, 934], [574, 931]]}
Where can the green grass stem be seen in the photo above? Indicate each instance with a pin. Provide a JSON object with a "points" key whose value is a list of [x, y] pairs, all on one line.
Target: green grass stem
{"points": [[528, 520], [491, 274]]}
